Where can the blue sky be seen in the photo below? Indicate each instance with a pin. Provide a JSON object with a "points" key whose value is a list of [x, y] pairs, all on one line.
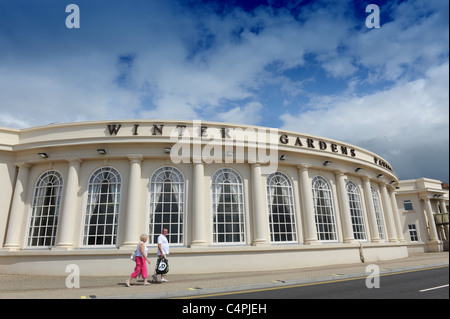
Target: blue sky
{"points": [[308, 66]]}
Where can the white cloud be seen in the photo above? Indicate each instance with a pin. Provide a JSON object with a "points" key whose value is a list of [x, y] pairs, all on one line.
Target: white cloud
{"points": [[249, 114], [409, 115]]}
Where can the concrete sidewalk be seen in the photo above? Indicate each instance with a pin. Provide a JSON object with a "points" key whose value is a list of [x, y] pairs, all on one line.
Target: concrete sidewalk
{"points": [[186, 285]]}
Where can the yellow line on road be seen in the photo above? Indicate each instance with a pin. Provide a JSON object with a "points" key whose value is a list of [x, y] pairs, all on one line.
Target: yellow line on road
{"points": [[304, 285]]}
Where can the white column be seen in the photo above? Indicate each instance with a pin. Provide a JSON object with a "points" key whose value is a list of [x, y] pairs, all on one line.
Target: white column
{"points": [[133, 225], [443, 207], [65, 236], [344, 208], [387, 207], [375, 235], [307, 205], [16, 221], [198, 206], [430, 217], [260, 218], [398, 223], [444, 211]]}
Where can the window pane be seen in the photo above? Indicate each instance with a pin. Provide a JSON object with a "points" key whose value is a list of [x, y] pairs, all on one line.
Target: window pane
{"points": [[228, 207], [102, 207], [324, 210], [281, 208], [357, 217], [45, 210], [167, 205], [378, 213]]}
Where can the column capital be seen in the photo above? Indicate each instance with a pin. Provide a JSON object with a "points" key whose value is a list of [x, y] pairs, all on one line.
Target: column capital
{"points": [[23, 165], [135, 157], [74, 160], [341, 172], [303, 166]]}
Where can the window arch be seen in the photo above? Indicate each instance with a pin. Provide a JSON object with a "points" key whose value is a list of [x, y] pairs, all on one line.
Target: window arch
{"points": [[227, 207], [378, 213], [167, 205], [324, 209], [102, 208], [280, 205], [45, 210], [356, 213]]}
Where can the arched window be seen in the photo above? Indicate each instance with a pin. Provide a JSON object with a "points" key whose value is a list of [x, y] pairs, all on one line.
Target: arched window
{"points": [[354, 199], [102, 209], [167, 205], [378, 213], [227, 207], [324, 210], [280, 204], [45, 210]]}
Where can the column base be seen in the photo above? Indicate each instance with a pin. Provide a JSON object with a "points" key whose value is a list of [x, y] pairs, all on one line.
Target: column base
{"points": [[63, 247], [312, 242], [435, 245], [260, 242], [198, 244], [128, 246], [11, 247]]}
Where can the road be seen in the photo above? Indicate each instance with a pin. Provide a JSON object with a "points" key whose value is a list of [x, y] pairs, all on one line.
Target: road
{"points": [[416, 284]]}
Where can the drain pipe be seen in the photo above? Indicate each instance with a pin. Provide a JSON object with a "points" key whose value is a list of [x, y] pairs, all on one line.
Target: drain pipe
{"points": [[361, 252]]}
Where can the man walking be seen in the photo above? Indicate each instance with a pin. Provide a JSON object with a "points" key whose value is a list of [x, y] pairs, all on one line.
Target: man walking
{"points": [[163, 252]]}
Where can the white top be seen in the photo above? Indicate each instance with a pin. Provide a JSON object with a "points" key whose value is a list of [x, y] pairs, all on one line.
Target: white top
{"points": [[138, 249], [164, 245]]}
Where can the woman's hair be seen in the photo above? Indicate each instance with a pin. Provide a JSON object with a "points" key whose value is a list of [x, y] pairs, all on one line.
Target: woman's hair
{"points": [[143, 236]]}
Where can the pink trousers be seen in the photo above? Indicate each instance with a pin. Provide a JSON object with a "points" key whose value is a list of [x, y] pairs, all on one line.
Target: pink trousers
{"points": [[141, 268]]}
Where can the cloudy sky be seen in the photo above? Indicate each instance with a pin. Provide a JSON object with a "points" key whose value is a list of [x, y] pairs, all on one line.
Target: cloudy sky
{"points": [[312, 67]]}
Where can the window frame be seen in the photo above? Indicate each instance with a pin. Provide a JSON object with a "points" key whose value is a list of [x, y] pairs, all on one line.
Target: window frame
{"points": [[236, 219], [356, 211], [284, 184], [378, 213], [177, 178], [409, 203], [328, 228], [95, 181], [40, 197], [413, 233]]}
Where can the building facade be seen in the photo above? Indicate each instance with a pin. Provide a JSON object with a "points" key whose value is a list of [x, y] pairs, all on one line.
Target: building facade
{"points": [[233, 198]]}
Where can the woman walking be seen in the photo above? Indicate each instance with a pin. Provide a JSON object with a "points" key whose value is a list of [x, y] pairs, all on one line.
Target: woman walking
{"points": [[141, 258]]}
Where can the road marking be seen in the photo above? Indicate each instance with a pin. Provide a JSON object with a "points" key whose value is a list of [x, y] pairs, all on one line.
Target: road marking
{"points": [[304, 285], [428, 289]]}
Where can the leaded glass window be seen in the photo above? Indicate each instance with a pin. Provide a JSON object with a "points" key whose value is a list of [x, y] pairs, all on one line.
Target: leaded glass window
{"points": [[356, 213], [324, 210], [45, 210], [167, 205], [378, 213], [227, 207], [280, 202], [102, 209]]}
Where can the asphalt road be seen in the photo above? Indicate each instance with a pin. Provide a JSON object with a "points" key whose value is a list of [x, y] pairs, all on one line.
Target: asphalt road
{"points": [[417, 284]]}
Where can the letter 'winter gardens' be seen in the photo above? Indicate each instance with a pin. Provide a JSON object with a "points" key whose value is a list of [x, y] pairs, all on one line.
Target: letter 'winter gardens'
{"points": [[262, 139]]}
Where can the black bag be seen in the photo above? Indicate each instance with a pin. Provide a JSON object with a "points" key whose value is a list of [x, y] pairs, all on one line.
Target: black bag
{"points": [[162, 266]]}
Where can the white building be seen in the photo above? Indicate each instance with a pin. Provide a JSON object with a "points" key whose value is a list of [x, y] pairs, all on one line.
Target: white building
{"points": [[233, 197]]}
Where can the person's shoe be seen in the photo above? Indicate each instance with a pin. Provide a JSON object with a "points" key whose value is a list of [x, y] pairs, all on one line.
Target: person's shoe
{"points": [[163, 279], [128, 283]]}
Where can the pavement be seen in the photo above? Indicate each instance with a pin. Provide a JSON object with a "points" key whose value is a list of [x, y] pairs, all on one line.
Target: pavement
{"points": [[194, 285]]}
